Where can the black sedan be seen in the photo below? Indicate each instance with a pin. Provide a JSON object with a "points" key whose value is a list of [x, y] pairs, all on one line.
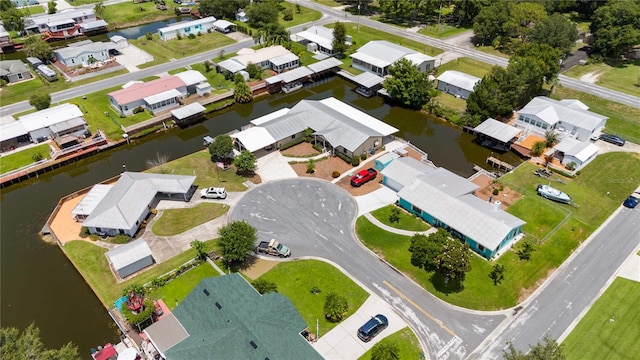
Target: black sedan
{"points": [[614, 139]]}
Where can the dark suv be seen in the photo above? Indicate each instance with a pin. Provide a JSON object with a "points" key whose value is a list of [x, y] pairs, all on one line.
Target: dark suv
{"points": [[614, 139], [372, 327]]}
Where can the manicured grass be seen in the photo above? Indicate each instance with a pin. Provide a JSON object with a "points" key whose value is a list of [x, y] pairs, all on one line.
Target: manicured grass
{"points": [[91, 262], [199, 163], [623, 120], [33, 10], [610, 329], [162, 50], [295, 280], [408, 345], [451, 102], [306, 15], [177, 289], [491, 50], [23, 158], [407, 221], [176, 221], [441, 31], [618, 76], [466, 65], [129, 14], [589, 190], [329, 3], [217, 81]]}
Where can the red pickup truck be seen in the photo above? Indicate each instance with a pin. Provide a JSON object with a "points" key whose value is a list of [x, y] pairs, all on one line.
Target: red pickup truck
{"points": [[363, 176]]}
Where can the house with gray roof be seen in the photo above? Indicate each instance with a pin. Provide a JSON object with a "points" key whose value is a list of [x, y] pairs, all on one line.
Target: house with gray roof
{"points": [[124, 207], [567, 117], [14, 71], [224, 317], [377, 56], [571, 150], [130, 258], [457, 83], [444, 199], [84, 54], [336, 126]]}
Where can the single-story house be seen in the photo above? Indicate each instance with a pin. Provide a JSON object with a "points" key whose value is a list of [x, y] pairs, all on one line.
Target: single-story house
{"points": [[226, 316], [496, 135], [186, 28], [335, 125], [262, 57], [224, 26], [130, 258], [567, 117], [377, 56], [54, 122], [321, 36], [89, 202], [571, 150], [457, 83], [242, 16], [84, 54], [6, 44], [63, 24], [14, 71], [446, 200], [13, 134], [130, 200]]}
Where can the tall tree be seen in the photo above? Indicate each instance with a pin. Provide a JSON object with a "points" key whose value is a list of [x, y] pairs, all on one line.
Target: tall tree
{"points": [[339, 39], [262, 13], [51, 7], [16, 345], [275, 34], [407, 84], [385, 350], [236, 240], [221, 8], [490, 22], [98, 9], [616, 27], [397, 11], [242, 93], [36, 47], [220, 147], [492, 97], [6, 5], [466, 10], [200, 248], [547, 57], [525, 77], [12, 19], [425, 249], [556, 31], [245, 163], [549, 350], [497, 274], [40, 101], [454, 261]]}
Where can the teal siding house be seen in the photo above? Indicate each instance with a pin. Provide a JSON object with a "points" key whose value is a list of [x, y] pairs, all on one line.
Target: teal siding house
{"points": [[446, 200]]}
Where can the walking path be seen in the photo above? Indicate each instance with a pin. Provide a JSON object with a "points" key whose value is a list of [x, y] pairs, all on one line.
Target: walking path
{"points": [[390, 229]]}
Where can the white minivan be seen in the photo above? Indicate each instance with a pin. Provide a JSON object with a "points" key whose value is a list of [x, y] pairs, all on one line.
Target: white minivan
{"points": [[213, 193]]}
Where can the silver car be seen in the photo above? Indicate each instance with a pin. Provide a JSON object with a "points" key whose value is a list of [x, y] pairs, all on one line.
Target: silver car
{"points": [[213, 193]]}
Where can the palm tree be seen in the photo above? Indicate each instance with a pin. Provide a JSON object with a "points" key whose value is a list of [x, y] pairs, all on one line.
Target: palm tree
{"points": [[552, 138]]}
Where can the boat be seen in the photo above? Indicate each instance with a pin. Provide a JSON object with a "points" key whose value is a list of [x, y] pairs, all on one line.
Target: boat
{"points": [[550, 193]]}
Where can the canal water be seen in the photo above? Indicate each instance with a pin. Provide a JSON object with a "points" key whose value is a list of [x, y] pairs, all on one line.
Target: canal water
{"points": [[39, 284]]}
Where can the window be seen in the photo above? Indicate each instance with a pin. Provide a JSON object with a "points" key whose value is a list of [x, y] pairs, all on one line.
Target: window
{"points": [[293, 136], [480, 247], [416, 209]]}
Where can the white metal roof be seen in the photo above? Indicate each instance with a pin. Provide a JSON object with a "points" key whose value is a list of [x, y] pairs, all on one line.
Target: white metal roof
{"points": [[188, 110], [11, 130], [497, 130], [358, 116], [283, 59], [459, 79], [418, 58], [266, 118], [368, 79], [76, 13], [320, 35], [247, 56], [65, 125], [165, 95], [552, 111], [295, 74], [191, 77], [222, 24], [273, 80], [371, 59], [92, 199], [74, 51], [581, 150], [232, 65], [254, 138], [448, 182], [405, 170], [186, 24], [47, 117], [127, 254], [382, 53], [93, 24], [324, 65]]}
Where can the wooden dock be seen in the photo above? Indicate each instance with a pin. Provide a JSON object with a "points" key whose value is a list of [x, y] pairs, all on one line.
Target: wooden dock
{"points": [[499, 164]]}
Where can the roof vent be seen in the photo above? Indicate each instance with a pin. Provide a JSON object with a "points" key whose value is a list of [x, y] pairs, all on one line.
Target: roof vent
{"points": [[218, 305], [253, 344], [206, 292]]}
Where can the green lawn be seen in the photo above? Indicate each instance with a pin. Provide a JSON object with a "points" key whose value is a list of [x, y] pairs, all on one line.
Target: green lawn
{"points": [[176, 221], [451, 102], [23, 158], [610, 329], [618, 76], [441, 31], [162, 51], [128, 14], [177, 289], [329, 3], [466, 65], [92, 264], [491, 50], [295, 280], [33, 10], [199, 163], [407, 221], [408, 345], [306, 15], [542, 216]]}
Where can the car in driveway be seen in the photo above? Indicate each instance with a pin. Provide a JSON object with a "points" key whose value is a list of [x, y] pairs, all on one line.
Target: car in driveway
{"points": [[213, 193], [373, 327], [632, 201], [614, 139]]}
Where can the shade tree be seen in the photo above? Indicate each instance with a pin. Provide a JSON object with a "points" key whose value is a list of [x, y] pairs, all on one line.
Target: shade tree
{"points": [[407, 84]]}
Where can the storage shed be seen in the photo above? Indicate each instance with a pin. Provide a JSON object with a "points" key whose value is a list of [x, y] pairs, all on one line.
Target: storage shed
{"points": [[130, 258], [385, 160]]}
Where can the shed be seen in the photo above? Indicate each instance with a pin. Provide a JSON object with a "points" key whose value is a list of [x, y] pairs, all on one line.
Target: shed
{"points": [[119, 42], [34, 62], [224, 26], [188, 114], [130, 258], [384, 160], [203, 89]]}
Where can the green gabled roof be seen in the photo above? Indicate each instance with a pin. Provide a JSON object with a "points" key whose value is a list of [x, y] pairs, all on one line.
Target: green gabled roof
{"points": [[225, 332]]}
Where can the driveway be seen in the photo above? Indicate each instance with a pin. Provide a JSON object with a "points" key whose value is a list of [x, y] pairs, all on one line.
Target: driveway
{"points": [[274, 166], [376, 200]]}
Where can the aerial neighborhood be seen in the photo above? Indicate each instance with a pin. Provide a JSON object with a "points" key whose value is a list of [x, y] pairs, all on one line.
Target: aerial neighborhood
{"points": [[327, 179]]}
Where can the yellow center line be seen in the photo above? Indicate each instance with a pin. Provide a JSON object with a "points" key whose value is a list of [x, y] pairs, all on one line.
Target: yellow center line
{"points": [[420, 309]]}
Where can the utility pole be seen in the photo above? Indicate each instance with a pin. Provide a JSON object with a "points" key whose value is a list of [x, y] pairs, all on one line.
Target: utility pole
{"points": [[358, 16]]}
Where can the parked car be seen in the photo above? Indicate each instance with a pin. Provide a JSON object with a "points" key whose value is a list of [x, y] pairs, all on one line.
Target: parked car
{"points": [[213, 193], [363, 176], [632, 201], [614, 139], [372, 327]]}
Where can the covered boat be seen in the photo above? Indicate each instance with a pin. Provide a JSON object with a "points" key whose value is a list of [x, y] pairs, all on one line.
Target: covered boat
{"points": [[550, 193]]}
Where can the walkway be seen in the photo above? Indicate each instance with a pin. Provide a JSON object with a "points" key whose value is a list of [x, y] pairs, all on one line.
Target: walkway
{"points": [[388, 228]]}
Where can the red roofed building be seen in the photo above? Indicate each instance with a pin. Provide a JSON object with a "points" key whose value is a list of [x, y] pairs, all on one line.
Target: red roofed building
{"points": [[156, 95]]}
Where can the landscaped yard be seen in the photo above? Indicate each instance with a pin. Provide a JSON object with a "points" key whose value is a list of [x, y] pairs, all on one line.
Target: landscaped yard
{"points": [[408, 345], [175, 221], [23, 158], [589, 190], [295, 279], [618, 76], [406, 221], [177, 289], [610, 329]]}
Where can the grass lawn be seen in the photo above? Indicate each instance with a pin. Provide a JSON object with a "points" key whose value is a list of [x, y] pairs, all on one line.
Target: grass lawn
{"points": [[295, 280], [623, 120], [588, 190], [407, 221], [408, 345], [32, 10], [610, 329], [90, 261], [176, 221], [23, 158], [306, 15], [129, 14], [618, 76], [441, 31], [177, 289], [162, 50], [491, 50], [329, 3], [199, 163], [466, 65], [451, 102]]}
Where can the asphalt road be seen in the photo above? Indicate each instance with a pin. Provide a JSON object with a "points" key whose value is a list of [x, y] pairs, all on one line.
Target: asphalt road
{"points": [[572, 288], [316, 219]]}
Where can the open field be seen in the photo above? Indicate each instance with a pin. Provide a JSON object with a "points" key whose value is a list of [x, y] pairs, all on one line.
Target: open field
{"points": [[408, 345], [162, 51], [128, 14], [610, 329], [176, 221], [441, 31], [467, 66], [618, 76], [23, 158], [173, 292], [295, 279]]}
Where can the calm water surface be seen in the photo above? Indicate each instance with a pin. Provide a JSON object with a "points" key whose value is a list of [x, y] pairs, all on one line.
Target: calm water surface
{"points": [[39, 284]]}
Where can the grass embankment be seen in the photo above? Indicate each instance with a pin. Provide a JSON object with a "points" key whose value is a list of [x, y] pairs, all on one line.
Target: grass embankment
{"points": [[408, 345], [23, 158], [176, 290], [129, 14], [616, 75], [176, 221], [544, 222], [406, 221], [295, 279], [610, 329]]}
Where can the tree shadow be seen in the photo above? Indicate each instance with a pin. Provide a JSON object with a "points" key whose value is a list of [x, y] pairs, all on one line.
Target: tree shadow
{"points": [[622, 63], [242, 266], [440, 283]]}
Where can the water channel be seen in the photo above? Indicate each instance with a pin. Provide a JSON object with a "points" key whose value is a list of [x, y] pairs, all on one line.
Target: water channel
{"points": [[38, 283]]}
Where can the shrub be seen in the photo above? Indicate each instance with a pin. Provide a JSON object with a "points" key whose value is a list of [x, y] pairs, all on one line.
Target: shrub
{"points": [[315, 290], [355, 161], [288, 15], [148, 36], [524, 253], [139, 109], [363, 156], [572, 166], [345, 158], [335, 174], [179, 36], [84, 232], [292, 143], [135, 319], [317, 148], [191, 36], [209, 30], [496, 191], [335, 307], [121, 239], [394, 215], [37, 157], [311, 166], [264, 286], [199, 33], [3, 82]]}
